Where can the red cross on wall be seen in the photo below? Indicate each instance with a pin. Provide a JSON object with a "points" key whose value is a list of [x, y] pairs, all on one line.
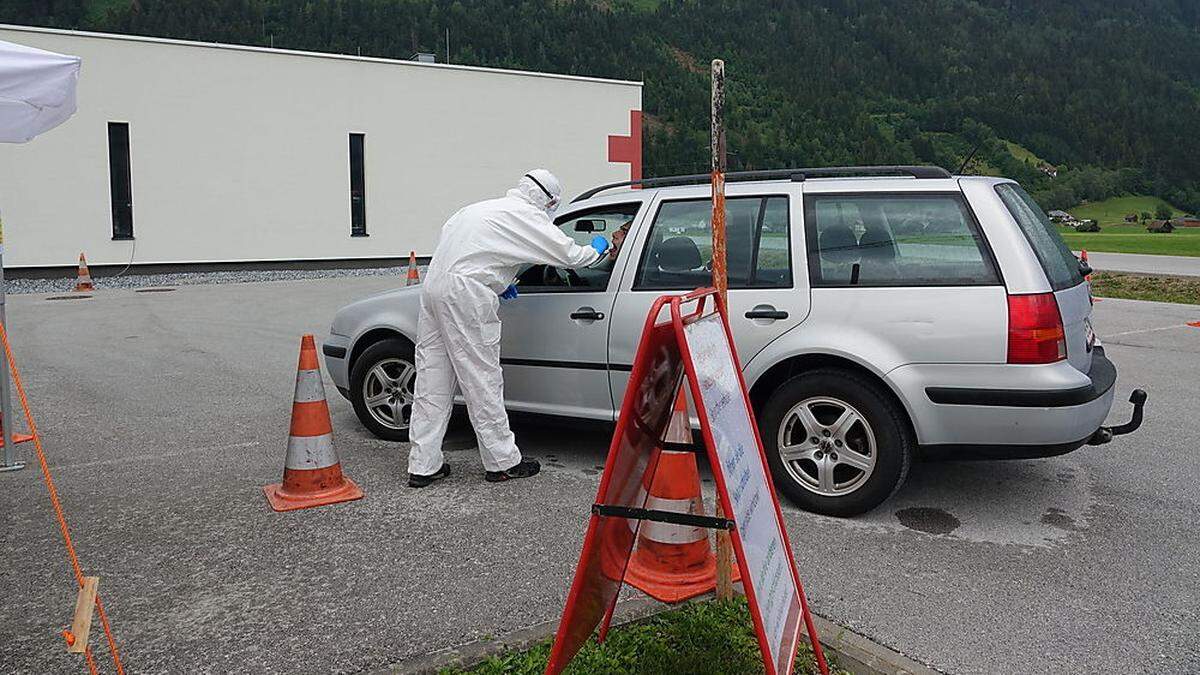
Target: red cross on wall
{"points": [[628, 149]]}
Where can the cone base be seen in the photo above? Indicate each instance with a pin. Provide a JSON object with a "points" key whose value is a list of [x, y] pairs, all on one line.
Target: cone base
{"points": [[676, 587], [281, 501], [84, 288], [17, 438]]}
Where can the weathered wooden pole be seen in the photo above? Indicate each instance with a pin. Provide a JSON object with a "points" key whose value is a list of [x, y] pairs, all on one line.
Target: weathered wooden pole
{"points": [[720, 281]]}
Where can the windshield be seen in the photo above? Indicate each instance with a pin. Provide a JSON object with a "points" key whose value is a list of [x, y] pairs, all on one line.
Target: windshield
{"points": [[1061, 266]]}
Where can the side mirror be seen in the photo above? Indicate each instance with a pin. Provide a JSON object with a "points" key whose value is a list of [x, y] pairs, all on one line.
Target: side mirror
{"points": [[589, 226]]}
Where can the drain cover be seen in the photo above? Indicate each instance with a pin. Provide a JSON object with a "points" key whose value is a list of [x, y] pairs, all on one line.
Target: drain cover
{"points": [[68, 297], [153, 290]]}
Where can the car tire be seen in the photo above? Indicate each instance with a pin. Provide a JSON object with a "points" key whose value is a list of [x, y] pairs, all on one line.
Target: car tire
{"points": [[815, 476], [395, 358]]}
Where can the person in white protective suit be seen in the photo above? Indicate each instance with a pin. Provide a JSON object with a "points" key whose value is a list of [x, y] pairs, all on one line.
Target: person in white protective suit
{"points": [[479, 253]]}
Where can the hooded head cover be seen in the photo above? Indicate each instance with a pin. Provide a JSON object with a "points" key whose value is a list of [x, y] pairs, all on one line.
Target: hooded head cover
{"points": [[540, 188]]}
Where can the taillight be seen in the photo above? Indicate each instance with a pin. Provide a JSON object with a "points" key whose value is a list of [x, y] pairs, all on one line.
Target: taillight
{"points": [[1035, 329]]}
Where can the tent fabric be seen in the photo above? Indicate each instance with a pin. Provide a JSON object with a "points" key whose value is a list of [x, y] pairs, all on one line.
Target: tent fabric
{"points": [[37, 91]]}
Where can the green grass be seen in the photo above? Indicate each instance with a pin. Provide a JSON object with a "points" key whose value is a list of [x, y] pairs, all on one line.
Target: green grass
{"points": [[1144, 287], [1024, 154], [706, 638], [1135, 239], [1112, 211]]}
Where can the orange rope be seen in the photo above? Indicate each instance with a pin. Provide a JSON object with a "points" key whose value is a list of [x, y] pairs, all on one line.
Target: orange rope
{"points": [[58, 511]]}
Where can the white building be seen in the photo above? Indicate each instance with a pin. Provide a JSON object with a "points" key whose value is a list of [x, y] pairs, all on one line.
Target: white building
{"points": [[185, 152]]}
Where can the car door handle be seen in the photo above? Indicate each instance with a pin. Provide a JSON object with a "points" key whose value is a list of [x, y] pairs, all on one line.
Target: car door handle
{"points": [[587, 314], [766, 313]]}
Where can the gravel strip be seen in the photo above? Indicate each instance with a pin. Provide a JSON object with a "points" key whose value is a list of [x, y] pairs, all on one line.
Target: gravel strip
{"points": [[131, 281]]}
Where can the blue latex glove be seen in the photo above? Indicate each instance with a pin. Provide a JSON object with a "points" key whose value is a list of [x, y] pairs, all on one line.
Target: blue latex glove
{"points": [[509, 293], [600, 244]]}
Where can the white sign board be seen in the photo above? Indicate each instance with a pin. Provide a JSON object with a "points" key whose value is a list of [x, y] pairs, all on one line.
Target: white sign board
{"points": [[772, 590]]}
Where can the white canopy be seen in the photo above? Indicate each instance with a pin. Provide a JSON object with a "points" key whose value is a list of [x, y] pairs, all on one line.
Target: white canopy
{"points": [[37, 91]]}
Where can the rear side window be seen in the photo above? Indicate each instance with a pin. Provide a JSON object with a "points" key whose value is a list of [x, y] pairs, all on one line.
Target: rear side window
{"points": [[678, 253], [895, 240], [1060, 265]]}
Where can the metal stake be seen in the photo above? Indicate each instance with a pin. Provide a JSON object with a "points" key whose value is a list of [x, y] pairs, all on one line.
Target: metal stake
{"points": [[721, 282], [6, 420]]}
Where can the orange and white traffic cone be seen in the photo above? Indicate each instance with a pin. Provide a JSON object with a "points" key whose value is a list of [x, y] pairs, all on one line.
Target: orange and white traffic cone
{"points": [[414, 276], [83, 281], [312, 473], [673, 563]]}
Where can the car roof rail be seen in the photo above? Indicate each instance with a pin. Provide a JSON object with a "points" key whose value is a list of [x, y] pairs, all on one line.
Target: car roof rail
{"points": [[776, 174]]}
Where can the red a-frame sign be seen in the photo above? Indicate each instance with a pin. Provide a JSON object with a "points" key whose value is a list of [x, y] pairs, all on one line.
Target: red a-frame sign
{"points": [[694, 341]]}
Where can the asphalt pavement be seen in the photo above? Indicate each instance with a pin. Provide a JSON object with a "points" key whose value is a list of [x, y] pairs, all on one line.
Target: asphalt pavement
{"points": [[1178, 265], [165, 413]]}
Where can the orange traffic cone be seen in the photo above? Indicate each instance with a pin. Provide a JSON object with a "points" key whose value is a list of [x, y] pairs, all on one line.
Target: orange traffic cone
{"points": [[83, 282], [414, 276], [673, 563], [312, 473]]}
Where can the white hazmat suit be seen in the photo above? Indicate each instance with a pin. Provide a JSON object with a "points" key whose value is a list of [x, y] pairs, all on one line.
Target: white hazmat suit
{"points": [[479, 253]]}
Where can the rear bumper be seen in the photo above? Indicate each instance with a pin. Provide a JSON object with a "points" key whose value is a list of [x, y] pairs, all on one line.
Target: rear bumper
{"points": [[1029, 411], [1101, 379]]}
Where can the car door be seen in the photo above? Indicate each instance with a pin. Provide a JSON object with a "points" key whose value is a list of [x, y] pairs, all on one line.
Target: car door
{"points": [[554, 342], [674, 253]]}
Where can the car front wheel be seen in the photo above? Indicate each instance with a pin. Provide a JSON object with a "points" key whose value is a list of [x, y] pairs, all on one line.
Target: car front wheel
{"points": [[835, 442], [382, 383]]}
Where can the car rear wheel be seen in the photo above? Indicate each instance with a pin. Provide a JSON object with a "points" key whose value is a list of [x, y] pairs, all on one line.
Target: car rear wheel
{"points": [[382, 383], [836, 443]]}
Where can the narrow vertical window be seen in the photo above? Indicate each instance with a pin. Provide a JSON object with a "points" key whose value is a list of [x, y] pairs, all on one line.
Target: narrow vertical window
{"points": [[119, 180], [358, 187]]}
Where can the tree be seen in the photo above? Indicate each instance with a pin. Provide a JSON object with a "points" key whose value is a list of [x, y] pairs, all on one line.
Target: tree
{"points": [[1163, 212], [1146, 216]]}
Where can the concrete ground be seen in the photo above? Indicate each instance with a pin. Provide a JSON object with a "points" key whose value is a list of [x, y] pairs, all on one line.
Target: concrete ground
{"points": [[1141, 263], [165, 413]]}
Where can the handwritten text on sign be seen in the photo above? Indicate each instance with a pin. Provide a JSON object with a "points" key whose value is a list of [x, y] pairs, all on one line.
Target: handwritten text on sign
{"points": [[745, 479]]}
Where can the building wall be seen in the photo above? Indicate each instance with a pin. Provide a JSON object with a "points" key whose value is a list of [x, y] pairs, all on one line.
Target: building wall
{"points": [[242, 154]]}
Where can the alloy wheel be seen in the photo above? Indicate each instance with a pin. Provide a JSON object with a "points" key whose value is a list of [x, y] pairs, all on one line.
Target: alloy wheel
{"points": [[388, 392], [827, 446]]}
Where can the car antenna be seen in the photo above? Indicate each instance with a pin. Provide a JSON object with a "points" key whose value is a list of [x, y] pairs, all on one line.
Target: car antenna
{"points": [[980, 141]]}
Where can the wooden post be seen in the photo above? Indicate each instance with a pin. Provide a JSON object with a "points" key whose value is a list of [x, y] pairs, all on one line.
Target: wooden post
{"points": [[720, 281], [81, 624]]}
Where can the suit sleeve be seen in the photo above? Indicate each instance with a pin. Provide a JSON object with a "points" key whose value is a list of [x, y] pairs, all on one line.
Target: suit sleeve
{"points": [[548, 245]]}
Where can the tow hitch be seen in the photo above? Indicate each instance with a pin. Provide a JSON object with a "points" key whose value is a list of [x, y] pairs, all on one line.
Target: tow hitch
{"points": [[1106, 434]]}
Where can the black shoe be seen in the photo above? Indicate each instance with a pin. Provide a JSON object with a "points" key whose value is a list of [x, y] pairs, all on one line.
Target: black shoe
{"points": [[527, 468], [419, 481]]}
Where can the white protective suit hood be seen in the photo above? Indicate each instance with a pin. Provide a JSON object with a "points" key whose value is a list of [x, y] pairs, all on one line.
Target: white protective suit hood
{"points": [[540, 188]]}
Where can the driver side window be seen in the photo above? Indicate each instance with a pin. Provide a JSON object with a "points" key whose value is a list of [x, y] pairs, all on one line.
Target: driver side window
{"points": [[582, 226]]}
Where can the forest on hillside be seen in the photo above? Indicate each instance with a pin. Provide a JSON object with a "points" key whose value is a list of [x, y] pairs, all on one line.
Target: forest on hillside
{"points": [[1107, 92]]}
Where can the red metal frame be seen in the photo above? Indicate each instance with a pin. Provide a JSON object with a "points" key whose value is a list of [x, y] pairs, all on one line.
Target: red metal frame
{"points": [[592, 586], [699, 296], [578, 619]]}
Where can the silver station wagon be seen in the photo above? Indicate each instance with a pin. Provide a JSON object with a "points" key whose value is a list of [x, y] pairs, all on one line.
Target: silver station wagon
{"points": [[881, 314]]}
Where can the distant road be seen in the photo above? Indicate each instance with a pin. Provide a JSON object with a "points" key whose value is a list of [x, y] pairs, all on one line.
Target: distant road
{"points": [[1145, 264]]}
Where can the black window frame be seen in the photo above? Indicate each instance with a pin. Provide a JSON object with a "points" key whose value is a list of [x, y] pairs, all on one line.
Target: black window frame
{"points": [[1076, 276], [762, 210], [574, 215], [116, 208], [812, 255], [358, 212]]}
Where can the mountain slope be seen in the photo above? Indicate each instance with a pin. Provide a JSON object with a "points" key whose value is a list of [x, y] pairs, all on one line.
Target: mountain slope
{"points": [[1107, 91]]}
